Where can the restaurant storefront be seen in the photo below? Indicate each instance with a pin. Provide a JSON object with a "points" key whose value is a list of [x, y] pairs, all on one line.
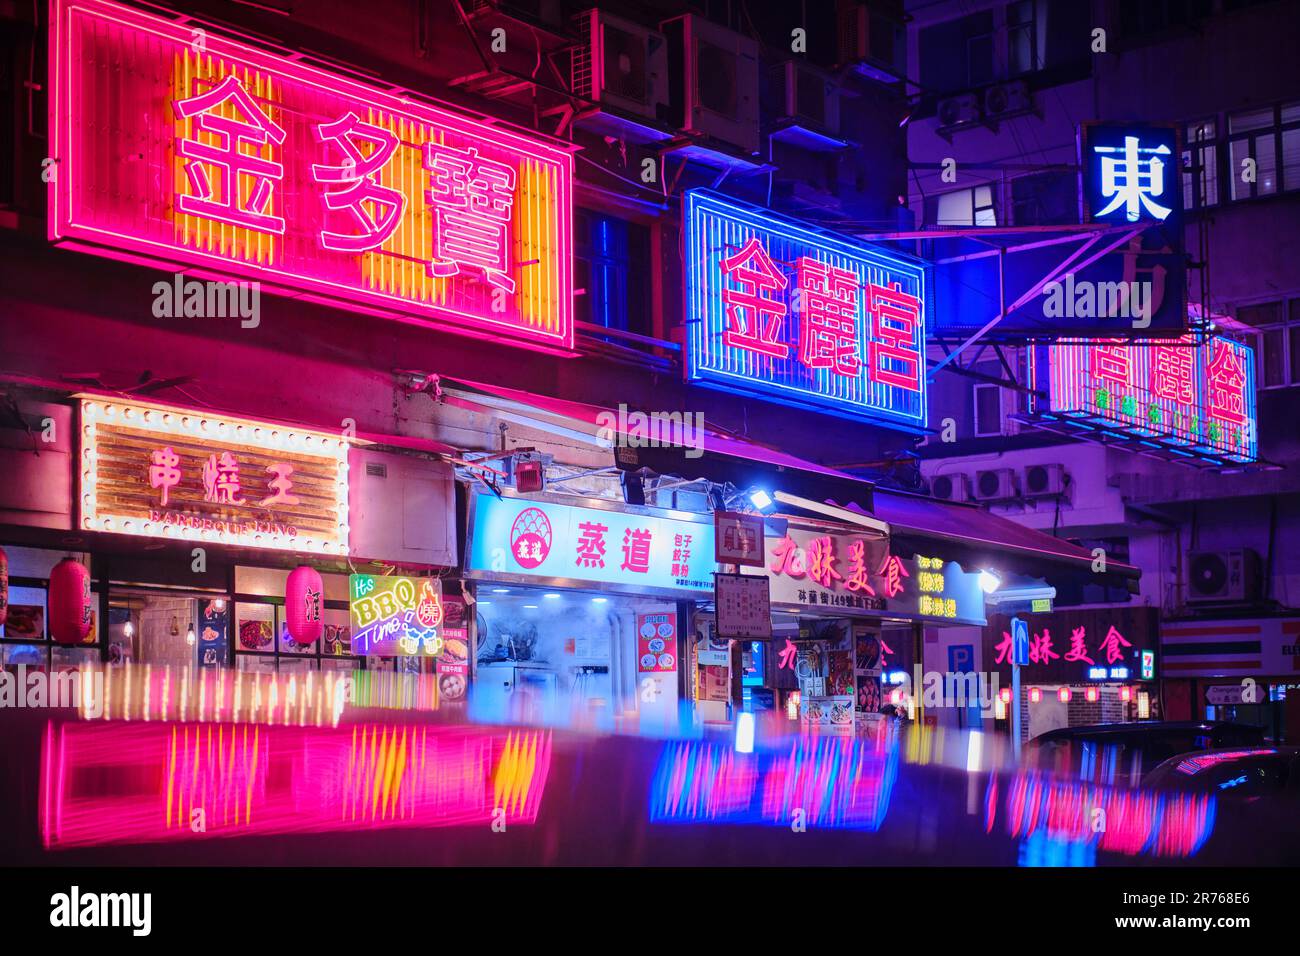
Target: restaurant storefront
{"points": [[189, 524], [1244, 670], [846, 619], [1086, 666], [579, 607]]}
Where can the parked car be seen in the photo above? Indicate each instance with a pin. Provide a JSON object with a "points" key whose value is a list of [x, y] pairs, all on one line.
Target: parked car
{"points": [[1123, 753], [1234, 773]]}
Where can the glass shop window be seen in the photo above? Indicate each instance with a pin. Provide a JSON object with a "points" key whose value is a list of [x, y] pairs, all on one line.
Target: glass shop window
{"points": [[25, 635]]}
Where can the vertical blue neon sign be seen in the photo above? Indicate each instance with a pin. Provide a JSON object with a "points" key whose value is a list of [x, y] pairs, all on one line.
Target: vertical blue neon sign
{"points": [[787, 312]]}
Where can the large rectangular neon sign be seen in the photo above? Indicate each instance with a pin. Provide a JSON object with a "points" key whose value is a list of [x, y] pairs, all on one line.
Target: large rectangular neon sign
{"points": [[1193, 396], [785, 311], [178, 146]]}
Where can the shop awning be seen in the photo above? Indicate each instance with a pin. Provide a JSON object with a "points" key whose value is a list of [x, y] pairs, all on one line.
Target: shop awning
{"points": [[986, 538], [725, 457], [970, 534]]}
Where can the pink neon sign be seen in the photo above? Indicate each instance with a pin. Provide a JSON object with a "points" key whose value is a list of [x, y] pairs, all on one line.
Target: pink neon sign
{"points": [[250, 163]]}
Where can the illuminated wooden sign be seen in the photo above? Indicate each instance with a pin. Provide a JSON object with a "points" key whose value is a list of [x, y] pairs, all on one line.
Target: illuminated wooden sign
{"points": [[198, 476]]}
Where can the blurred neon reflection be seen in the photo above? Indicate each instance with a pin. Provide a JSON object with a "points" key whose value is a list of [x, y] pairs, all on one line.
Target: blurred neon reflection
{"points": [[134, 783], [837, 782], [1037, 807]]}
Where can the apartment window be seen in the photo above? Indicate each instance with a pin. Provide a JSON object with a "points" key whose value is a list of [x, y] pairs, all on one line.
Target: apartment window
{"points": [[1277, 345], [988, 410], [1271, 138], [957, 54], [1200, 165], [1023, 55], [963, 207], [1045, 199], [616, 296], [1152, 17]]}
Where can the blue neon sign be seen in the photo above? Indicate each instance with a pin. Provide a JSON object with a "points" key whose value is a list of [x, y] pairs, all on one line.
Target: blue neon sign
{"points": [[787, 312], [1131, 174]]}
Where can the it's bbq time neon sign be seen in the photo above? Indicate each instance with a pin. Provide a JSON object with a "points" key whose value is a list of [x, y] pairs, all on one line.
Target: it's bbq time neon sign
{"points": [[210, 152]]}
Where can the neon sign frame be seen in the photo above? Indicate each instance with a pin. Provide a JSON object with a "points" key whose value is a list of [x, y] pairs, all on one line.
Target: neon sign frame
{"points": [[858, 286], [1075, 374], [141, 207]]}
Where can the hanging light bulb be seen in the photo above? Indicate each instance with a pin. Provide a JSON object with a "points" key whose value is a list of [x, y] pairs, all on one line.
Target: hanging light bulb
{"points": [[128, 630], [189, 635]]}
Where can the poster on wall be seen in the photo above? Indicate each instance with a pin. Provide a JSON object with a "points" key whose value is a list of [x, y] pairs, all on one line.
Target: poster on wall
{"points": [[452, 666], [656, 642], [214, 629]]}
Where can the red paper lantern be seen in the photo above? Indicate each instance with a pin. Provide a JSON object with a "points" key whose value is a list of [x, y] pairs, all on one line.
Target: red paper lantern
{"points": [[70, 605], [4, 587], [304, 604]]}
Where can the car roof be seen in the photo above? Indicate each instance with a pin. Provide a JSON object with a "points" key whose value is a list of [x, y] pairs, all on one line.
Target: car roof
{"points": [[1146, 726], [1230, 755]]}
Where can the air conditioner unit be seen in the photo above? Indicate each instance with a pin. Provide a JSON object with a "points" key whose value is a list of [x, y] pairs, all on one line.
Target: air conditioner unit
{"points": [[809, 96], [998, 484], [954, 486], [874, 43], [620, 64], [1223, 577], [961, 110], [1007, 99], [713, 81], [1045, 481]]}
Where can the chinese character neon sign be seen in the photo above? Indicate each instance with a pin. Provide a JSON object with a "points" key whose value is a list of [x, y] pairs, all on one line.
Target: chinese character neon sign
{"points": [[786, 312], [261, 166], [1131, 174], [1193, 397], [188, 475]]}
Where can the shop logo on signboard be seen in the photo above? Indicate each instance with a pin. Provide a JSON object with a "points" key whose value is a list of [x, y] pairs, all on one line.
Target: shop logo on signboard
{"points": [[530, 538], [1131, 174], [258, 164], [790, 313]]}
